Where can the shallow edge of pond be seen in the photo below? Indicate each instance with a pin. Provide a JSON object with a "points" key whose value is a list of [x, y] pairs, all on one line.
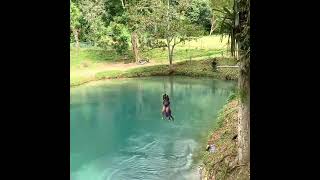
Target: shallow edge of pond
{"points": [[122, 80]]}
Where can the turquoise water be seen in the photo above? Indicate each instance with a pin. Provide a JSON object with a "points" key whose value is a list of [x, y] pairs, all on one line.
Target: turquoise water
{"points": [[117, 132]]}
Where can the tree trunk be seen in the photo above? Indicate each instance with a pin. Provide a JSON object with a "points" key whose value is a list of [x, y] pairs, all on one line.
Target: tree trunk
{"points": [[244, 112], [242, 9], [76, 37], [236, 52], [213, 25], [134, 42], [169, 50], [171, 55], [232, 46], [123, 5]]}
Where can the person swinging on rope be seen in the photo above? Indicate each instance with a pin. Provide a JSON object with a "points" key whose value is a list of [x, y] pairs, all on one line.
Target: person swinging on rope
{"points": [[166, 111]]}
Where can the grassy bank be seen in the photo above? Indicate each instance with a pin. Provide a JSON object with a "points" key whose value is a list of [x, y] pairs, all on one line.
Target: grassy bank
{"points": [[201, 68], [90, 57], [221, 163], [206, 46], [92, 63]]}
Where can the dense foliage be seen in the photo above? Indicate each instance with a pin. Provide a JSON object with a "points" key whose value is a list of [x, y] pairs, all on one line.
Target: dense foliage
{"points": [[110, 23], [199, 12]]}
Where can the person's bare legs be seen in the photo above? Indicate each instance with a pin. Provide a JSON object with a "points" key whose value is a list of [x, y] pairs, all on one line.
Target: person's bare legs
{"points": [[167, 109], [163, 110]]}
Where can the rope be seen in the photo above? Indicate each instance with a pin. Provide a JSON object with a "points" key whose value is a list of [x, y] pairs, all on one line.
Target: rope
{"points": [[164, 86]]}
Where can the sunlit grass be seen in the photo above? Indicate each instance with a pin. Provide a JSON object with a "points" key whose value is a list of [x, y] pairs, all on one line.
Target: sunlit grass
{"points": [[185, 68], [160, 55], [205, 46], [206, 42], [91, 56], [86, 63]]}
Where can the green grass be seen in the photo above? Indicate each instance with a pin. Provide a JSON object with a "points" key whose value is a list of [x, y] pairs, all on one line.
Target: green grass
{"points": [[108, 74], [87, 63], [199, 68], [161, 55], [205, 42], [78, 80], [91, 56], [207, 46]]}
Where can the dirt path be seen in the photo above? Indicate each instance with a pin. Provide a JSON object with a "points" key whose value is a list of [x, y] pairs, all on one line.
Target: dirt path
{"points": [[92, 71], [124, 67]]}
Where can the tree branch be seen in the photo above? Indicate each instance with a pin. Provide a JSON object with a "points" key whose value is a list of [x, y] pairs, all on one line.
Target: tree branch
{"points": [[236, 166], [176, 43], [222, 159], [169, 40], [218, 10]]}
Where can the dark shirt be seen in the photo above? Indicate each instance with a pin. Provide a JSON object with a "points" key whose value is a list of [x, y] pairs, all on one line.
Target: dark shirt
{"points": [[166, 103]]}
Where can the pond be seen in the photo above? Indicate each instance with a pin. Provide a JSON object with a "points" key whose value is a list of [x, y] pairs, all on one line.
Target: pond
{"points": [[116, 129]]}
